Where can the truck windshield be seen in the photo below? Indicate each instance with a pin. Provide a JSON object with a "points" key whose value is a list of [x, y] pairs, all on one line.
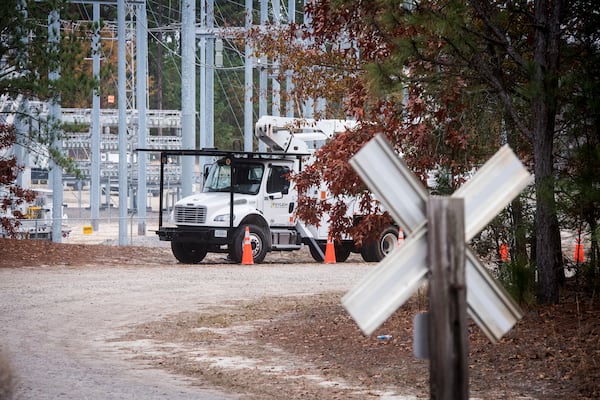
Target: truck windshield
{"points": [[246, 179]]}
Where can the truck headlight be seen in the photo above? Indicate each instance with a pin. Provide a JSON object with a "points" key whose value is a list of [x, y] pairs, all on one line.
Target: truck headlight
{"points": [[223, 218]]}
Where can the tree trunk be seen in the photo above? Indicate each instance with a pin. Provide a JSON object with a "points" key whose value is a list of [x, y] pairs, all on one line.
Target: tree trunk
{"points": [[548, 246], [593, 253], [159, 64], [544, 106], [519, 233]]}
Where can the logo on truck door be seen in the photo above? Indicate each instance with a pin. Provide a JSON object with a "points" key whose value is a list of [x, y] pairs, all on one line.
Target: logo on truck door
{"points": [[278, 204]]}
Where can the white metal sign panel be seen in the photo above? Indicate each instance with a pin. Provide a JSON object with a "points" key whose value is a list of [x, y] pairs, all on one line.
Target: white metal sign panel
{"points": [[398, 189], [373, 300], [494, 185], [490, 306], [404, 270], [390, 284]]}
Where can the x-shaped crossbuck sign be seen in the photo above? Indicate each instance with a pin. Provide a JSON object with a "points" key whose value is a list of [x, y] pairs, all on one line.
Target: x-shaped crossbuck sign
{"points": [[405, 269]]}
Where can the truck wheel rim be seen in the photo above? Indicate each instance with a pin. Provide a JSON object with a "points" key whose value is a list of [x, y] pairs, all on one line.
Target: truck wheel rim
{"points": [[388, 242], [256, 244]]}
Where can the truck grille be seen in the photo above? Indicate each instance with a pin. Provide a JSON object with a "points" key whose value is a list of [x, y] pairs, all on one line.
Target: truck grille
{"points": [[190, 215]]}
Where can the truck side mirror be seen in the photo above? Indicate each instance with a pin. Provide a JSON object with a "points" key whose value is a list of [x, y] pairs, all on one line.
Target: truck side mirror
{"points": [[276, 196]]}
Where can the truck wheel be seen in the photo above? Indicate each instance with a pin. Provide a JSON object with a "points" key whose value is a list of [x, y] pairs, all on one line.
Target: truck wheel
{"points": [[341, 253], [367, 252], [258, 240], [188, 252], [376, 251]]}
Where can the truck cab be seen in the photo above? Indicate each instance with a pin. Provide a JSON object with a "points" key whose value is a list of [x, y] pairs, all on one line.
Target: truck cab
{"points": [[240, 190]]}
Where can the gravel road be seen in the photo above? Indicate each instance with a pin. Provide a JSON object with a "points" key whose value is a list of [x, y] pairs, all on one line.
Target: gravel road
{"points": [[56, 323]]}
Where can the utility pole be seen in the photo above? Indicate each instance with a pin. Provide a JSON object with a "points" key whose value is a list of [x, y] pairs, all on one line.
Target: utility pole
{"points": [[289, 83], [141, 94], [263, 71], [275, 85], [188, 89], [210, 74], [54, 117], [122, 102], [248, 82], [308, 109], [95, 171]]}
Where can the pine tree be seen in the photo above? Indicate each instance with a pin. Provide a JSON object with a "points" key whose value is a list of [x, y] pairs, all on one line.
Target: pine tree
{"points": [[25, 62], [448, 81]]}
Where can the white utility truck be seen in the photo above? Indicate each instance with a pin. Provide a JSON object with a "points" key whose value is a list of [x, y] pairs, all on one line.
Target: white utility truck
{"points": [[251, 189]]}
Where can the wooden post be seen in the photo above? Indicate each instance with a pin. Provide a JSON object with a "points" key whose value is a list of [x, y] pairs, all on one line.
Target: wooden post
{"points": [[447, 300]]}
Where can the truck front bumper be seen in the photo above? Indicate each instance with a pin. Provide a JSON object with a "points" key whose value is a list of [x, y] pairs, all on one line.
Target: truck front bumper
{"points": [[206, 235]]}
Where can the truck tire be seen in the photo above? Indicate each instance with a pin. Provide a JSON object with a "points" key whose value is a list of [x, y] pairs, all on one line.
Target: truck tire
{"points": [[375, 251], [188, 252], [258, 240], [367, 252], [341, 253]]}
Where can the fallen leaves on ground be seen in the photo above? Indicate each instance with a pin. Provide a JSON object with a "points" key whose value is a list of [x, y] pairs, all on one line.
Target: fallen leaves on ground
{"points": [[552, 353]]}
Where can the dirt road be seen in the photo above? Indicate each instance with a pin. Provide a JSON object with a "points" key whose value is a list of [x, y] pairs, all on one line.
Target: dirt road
{"points": [[95, 321], [57, 323]]}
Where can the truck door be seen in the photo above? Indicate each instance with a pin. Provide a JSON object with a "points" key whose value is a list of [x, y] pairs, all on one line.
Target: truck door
{"points": [[280, 199]]}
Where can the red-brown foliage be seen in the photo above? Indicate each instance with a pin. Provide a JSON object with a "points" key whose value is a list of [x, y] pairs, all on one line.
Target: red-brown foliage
{"points": [[11, 195]]}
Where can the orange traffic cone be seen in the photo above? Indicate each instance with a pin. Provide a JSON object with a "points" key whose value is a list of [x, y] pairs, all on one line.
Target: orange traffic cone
{"points": [[503, 252], [400, 237], [578, 256], [329, 252], [247, 258]]}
